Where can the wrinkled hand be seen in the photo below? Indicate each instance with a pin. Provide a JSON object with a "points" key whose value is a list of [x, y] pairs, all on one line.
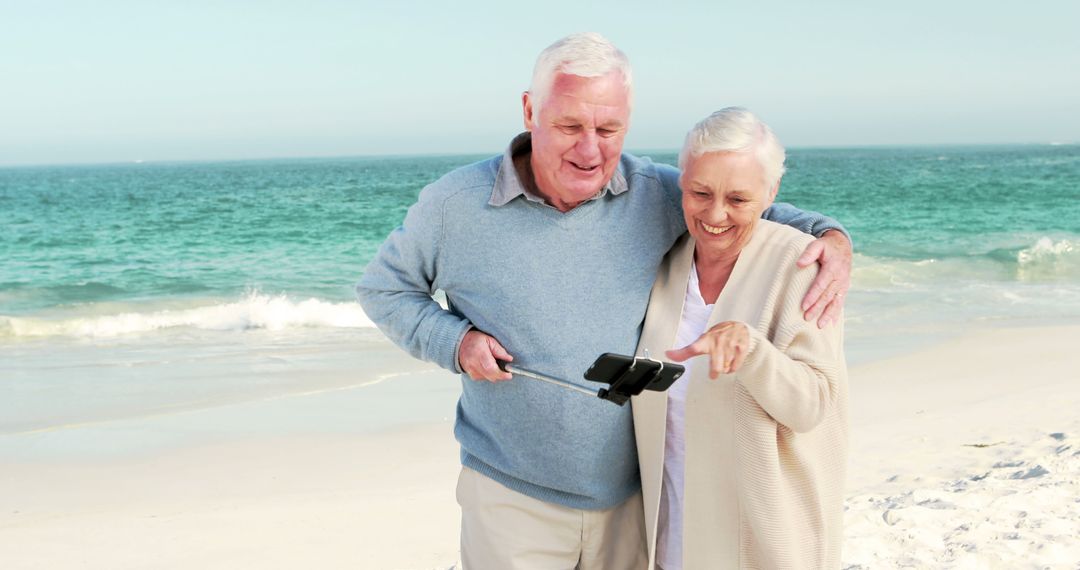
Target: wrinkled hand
{"points": [[825, 298], [726, 344], [477, 357]]}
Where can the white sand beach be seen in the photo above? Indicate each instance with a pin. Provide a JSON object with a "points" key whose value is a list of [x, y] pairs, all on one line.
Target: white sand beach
{"points": [[965, 455]]}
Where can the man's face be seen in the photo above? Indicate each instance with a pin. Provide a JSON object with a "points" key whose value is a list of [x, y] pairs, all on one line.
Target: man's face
{"points": [[577, 136]]}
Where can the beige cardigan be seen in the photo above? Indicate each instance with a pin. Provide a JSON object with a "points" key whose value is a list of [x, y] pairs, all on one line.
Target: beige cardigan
{"points": [[766, 447]]}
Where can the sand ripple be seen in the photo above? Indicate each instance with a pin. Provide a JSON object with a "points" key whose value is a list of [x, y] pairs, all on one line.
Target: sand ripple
{"points": [[1018, 508]]}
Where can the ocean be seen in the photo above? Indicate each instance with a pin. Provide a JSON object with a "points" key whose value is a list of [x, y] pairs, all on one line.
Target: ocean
{"points": [[139, 289]]}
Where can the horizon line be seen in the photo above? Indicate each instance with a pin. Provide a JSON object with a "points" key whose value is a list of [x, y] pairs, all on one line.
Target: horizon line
{"points": [[638, 152]]}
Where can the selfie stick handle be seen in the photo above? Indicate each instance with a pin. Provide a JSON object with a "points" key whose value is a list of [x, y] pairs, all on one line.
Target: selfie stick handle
{"points": [[537, 376]]}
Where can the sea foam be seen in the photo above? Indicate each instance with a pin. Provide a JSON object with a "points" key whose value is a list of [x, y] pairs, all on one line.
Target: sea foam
{"points": [[1050, 259], [1046, 260], [254, 311]]}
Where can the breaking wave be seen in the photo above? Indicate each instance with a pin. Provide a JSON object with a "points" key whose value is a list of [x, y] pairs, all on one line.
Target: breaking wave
{"points": [[253, 311], [1047, 260]]}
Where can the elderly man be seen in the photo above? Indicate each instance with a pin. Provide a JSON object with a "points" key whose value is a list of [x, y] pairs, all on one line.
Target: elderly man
{"points": [[547, 255]]}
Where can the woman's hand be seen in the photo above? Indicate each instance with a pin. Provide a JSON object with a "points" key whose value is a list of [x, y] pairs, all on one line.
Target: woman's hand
{"points": [[726, 344]]}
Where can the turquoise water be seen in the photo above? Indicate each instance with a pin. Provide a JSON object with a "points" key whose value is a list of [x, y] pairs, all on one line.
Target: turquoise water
{"points": [[77, 234], [131, 289], [146, 236]]}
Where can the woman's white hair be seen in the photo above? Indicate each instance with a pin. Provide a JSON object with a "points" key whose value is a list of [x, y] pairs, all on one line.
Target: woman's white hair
{"points": [[735, 129], [585, 54]]}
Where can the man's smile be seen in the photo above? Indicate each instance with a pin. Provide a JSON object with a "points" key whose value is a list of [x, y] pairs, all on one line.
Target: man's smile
{"points": [[582, 167]]}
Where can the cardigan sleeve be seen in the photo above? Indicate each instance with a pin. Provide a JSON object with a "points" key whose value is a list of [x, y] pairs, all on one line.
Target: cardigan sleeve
{"points": [[794, 376]]}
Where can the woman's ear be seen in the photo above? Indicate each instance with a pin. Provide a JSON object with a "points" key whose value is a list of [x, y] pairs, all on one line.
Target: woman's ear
{"points": [[772, 193]]}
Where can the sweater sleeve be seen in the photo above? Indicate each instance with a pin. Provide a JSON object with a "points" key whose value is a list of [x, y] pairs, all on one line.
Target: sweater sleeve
{"points": [[796, 376], [395, 290], [805, 221]]}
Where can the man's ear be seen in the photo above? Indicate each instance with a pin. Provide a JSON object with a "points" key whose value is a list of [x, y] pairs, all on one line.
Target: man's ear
{"points": [[527, 110]]}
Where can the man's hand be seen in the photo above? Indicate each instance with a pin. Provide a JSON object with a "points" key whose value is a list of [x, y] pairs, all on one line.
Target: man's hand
{"points": [[726, 344], [477, 357], [825, 298]]}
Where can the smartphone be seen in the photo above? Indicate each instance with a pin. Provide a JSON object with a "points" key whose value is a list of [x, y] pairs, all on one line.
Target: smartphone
{"points": [[629, 376]]}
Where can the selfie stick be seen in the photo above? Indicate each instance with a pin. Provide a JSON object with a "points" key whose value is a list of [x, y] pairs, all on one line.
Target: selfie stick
{"points": [[537, 376]]}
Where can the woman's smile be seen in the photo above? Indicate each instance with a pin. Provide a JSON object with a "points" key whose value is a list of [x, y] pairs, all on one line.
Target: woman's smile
{"points": [[715, 230]]}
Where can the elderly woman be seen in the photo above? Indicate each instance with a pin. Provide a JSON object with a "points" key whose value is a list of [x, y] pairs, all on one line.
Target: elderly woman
{"points": [[743, 459]]}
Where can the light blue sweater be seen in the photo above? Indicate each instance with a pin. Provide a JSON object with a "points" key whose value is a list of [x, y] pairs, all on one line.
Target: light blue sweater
{"points": [[557, 290]]}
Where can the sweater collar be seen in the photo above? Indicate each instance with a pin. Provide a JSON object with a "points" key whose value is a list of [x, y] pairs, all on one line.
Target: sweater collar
{"points": [[509, 186]]}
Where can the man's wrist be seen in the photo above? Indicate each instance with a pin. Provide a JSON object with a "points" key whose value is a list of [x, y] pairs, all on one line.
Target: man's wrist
{"points": [[835, 234], [457, 349]]}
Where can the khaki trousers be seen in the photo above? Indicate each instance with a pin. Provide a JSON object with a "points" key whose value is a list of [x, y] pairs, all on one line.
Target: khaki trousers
{"points": [[502, 529]]}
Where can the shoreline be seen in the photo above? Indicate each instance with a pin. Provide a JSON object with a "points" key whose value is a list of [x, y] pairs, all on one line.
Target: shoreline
{"points": [[323, 480]]}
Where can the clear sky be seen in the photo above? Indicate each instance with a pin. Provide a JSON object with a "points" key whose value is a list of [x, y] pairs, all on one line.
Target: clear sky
{"points": [[113, 80]]}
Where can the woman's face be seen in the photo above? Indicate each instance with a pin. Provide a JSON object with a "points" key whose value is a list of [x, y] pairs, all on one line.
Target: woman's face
{"points": [[724, 194]]}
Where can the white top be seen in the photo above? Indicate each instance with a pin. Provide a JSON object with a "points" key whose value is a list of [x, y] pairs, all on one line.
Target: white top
{"points": [[695, 317]]}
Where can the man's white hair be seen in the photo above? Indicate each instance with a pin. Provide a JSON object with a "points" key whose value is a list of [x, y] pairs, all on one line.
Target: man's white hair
{"points": [[735, 129], [585, 54]]}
